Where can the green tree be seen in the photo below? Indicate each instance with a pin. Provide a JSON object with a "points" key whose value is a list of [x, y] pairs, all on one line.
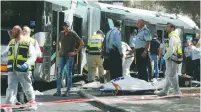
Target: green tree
{"points": [[191, 8]]}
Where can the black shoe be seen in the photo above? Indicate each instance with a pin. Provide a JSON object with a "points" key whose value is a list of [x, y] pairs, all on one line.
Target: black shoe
{"points": [[66, 94], [57, 94]]}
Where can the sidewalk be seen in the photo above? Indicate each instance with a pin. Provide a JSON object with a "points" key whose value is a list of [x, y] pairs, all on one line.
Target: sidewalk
{"points": [[145, 103]]}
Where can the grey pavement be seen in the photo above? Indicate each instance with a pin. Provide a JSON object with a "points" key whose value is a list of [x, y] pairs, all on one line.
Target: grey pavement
{"points": [[63, 107], [173, 104]]}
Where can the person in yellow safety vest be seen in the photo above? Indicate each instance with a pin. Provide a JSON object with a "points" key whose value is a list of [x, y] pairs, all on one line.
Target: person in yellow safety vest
{"points": [[173, 57], [94, 50], [21, 55], [27, 33]]}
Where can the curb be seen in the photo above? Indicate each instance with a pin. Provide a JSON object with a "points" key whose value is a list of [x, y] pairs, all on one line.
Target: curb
{"points": [[99, 104], [190, 90]]}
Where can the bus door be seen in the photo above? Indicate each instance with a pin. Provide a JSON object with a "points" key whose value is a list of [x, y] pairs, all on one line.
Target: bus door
{"points": [[50, 58], [77, 27], [161, 31]]}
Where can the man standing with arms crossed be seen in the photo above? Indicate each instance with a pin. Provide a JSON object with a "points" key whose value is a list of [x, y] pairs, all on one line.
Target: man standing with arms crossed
{"points": [[142, 44], [67, 43], [173, 57], [21, 55]]}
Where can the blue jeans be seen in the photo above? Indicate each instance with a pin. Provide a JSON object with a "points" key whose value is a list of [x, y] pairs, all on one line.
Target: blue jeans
{"points": [[155, 59], [68, 63]]}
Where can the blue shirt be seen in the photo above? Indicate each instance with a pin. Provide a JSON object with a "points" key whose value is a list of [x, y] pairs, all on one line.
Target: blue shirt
{"points": [[132, 41], [141, 38], [114, 40]]}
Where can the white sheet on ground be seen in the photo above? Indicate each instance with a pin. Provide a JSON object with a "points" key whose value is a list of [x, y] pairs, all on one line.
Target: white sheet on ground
{"points": [[127, 84]]}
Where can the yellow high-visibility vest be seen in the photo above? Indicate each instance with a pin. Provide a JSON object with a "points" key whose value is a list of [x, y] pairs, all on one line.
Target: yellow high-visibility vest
{"points": [[95, 45], [22, 56], [178, 46]]}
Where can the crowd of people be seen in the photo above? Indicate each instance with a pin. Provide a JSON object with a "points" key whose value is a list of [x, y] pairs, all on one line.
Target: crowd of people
{"points": [[108, 53]]}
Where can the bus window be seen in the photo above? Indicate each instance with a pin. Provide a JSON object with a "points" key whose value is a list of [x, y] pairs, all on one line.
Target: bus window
{"points": [[5, 38], [160, 35], [110, 22]]}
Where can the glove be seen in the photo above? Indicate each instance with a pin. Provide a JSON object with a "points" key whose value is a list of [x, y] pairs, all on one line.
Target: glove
{"points": [[162, 61], [24, 67]]}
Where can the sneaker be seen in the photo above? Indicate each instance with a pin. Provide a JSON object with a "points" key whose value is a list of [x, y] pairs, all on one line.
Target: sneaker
{"points": [[66, 94], [57, 94], [8, 110], [177, 92], [18, 103], [33, 105], [160, 93]]}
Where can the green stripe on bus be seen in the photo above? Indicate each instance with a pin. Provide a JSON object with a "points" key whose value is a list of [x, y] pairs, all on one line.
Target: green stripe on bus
{"points": [[53, 56]]}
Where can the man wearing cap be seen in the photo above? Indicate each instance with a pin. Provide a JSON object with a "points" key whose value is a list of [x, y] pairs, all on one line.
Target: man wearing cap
{"points": [[66, 47], [94, 49]]}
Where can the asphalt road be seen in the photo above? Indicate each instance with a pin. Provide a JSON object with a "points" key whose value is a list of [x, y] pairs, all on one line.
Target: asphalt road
{"points": [[47, 91], [184, 104]]}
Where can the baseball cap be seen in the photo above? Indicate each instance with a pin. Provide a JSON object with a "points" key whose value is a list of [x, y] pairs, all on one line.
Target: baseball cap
{"points": [[67, 23]]}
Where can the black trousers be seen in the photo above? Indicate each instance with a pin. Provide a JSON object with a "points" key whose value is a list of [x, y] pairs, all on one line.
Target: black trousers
{"points": [[149, 66], [115, 63], [189, 66], [21, 97], [196, 69], [142, 64]]}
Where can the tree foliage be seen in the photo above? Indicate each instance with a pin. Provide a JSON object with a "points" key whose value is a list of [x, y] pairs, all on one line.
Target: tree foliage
{"points": [[190, 8]]}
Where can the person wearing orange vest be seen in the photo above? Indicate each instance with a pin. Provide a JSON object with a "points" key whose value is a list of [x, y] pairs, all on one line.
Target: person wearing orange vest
{"points": [[173, 57]]}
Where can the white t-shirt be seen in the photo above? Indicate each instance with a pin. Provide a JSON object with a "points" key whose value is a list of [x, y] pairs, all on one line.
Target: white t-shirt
{"points": [[195, 53]]}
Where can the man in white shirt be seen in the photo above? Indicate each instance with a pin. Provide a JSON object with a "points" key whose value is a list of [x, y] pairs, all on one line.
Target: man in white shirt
{"points": [[127, 59], [21, 55]]}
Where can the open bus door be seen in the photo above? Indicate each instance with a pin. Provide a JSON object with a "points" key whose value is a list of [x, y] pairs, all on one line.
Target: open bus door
{"points": [[127, 28], [161, 30], [77, 27], [51, 50]]}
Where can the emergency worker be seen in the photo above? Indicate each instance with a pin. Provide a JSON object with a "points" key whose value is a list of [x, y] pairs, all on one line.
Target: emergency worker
{"points": [[27, 33], [21, 55], [127, 59], [114, 50], [66, 47], [94, 50], [173, 57], [142, 44]]}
